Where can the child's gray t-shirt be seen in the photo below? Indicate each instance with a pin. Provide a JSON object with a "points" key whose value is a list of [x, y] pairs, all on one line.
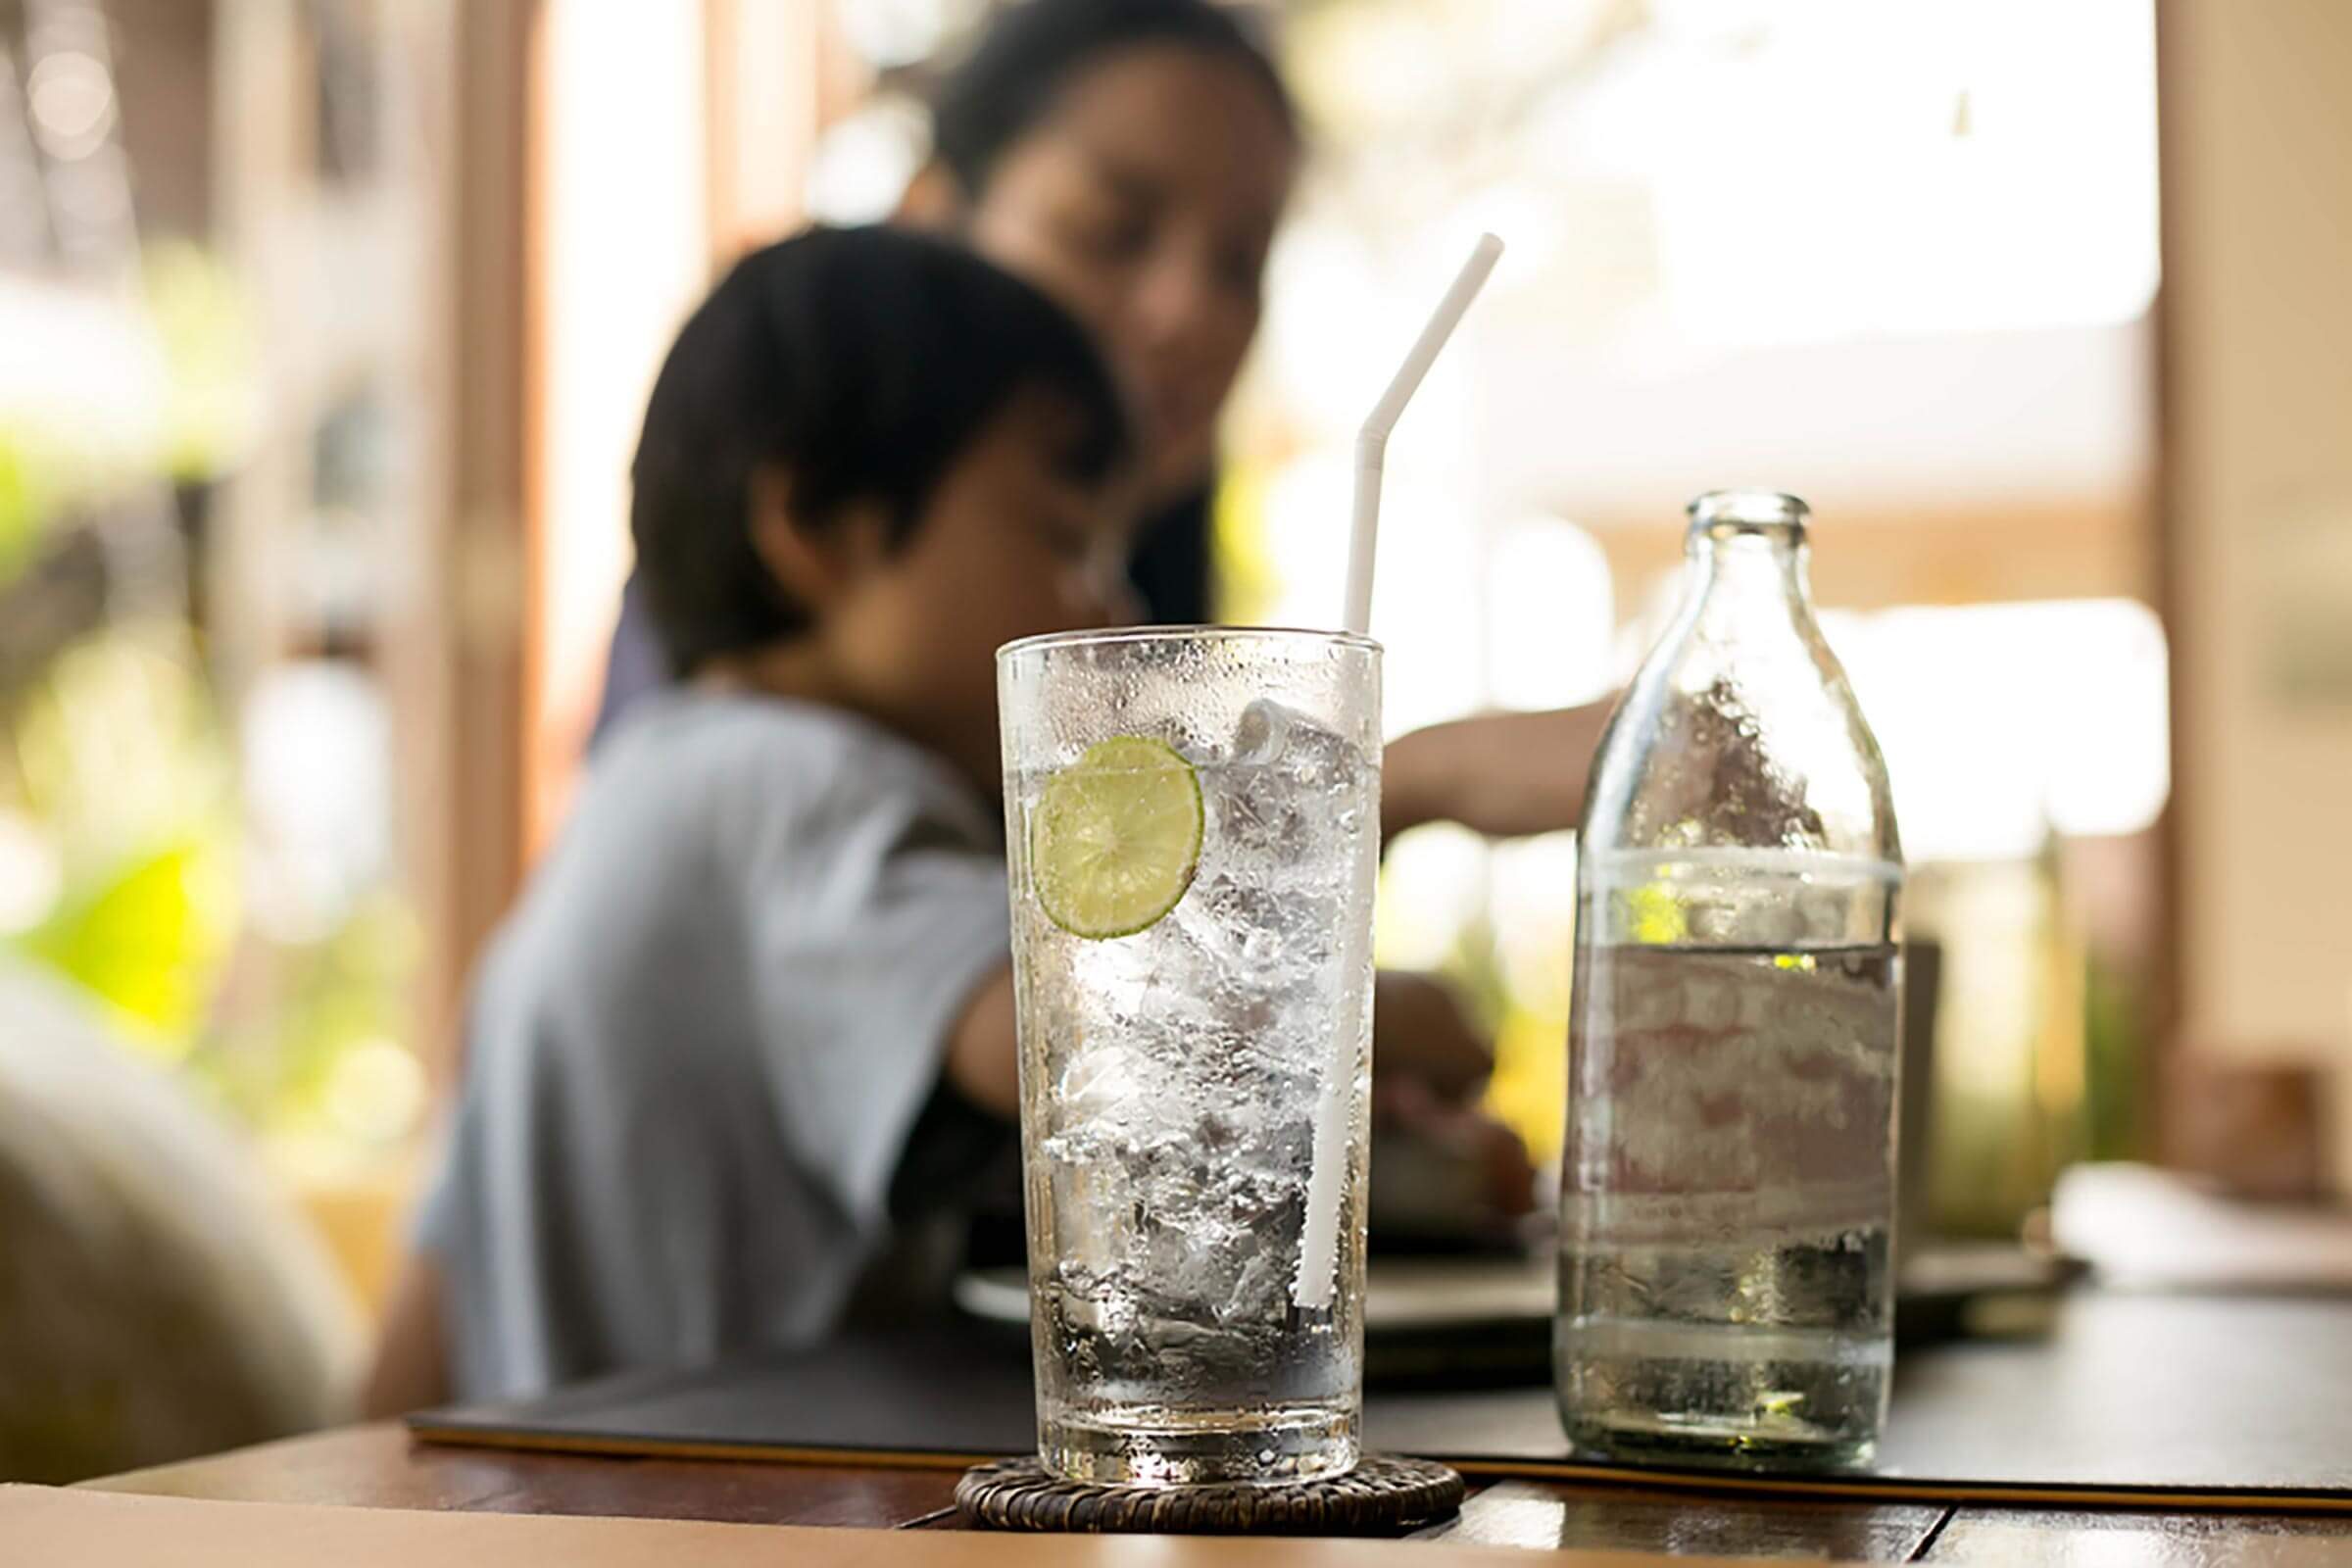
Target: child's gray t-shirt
{"points": [[696, 1047]]}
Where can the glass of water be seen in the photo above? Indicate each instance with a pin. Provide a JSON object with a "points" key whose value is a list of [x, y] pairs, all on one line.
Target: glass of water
{"points": [[1192, 821]]}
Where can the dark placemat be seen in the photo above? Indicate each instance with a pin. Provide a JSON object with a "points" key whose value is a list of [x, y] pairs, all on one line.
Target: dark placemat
{"points": [[2177, 1402], [1384, 1495]]}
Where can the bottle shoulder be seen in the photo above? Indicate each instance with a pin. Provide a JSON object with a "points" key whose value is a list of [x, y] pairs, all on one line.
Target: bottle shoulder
{"points": [[1723, 746]]}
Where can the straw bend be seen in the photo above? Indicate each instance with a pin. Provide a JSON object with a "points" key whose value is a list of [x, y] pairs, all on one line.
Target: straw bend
{"points": [[1372, 440]]}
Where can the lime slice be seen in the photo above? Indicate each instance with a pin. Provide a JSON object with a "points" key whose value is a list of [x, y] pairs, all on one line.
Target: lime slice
{"points": [[1116, 837]]}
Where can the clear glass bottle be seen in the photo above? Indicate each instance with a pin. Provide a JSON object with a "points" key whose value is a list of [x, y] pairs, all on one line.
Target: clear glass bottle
{"points": [[1728, 1185]]}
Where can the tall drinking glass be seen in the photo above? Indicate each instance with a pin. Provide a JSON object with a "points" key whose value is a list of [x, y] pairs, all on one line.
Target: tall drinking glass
{"points": [[1192, 816]]}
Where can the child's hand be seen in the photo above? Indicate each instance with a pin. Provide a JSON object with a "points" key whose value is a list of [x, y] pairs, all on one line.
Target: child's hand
{"points": [[1443, 1168], [1421, 1033], [1429, 1063], [1501, 774]]}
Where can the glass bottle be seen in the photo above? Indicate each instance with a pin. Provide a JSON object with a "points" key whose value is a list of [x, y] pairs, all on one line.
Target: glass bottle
{"points": [[1728, 1184]]}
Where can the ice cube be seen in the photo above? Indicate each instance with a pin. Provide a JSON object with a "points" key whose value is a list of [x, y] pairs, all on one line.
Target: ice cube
{"points": [[1093, 1215], [1262, 733], [1271, 734], [1268, 937], [1287, 797], [1102, 1081], [1216, 1220], [1259, 1289]]}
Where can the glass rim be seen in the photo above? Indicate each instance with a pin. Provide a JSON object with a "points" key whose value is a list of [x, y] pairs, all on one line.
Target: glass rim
{"points": [[1110, 636]]}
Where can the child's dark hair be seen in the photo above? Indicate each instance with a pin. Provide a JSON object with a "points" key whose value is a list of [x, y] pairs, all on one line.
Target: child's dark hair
{"points": [[1029, 54], [859, 364]]}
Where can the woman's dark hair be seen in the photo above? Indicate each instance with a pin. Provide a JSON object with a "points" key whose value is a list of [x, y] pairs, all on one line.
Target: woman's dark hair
{"points": [[1028, 55], [859, 364]]}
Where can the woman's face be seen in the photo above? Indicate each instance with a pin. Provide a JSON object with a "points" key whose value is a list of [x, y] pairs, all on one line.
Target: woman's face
{"points": [[1145, 200]]}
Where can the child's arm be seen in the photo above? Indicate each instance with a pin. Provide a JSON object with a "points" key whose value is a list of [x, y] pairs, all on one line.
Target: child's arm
{"points": [[984, 1052], [1418, 1030], [1497, 773], [411, 1361], [1501, 774]]}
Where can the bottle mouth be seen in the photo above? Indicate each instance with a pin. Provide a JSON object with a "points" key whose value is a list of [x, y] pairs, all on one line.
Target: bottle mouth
{"points": [[1729, 514]]}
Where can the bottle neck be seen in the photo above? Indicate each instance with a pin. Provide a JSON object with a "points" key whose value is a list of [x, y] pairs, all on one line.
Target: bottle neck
{"points": [[1751, 576]]}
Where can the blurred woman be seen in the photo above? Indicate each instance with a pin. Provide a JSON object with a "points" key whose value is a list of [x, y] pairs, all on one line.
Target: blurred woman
{"points": [[1132, 159]]}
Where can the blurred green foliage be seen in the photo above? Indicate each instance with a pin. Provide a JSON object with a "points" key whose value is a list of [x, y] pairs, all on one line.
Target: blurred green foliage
{"points": [[17, 511], [2117, 1040], [283, 1068], [140, 936], [201, 323], [120, 767], [117, 762]]}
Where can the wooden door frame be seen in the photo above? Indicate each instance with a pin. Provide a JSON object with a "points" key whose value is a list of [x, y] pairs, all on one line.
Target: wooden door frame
{"points": [[2167, 545], [458, 656]]}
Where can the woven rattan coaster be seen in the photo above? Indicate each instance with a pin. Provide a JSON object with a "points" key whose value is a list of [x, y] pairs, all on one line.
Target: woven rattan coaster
{"points": [[1381, 1495]]}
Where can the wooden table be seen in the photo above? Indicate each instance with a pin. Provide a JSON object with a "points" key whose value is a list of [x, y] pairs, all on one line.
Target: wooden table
{"points": [[377, 1466]]}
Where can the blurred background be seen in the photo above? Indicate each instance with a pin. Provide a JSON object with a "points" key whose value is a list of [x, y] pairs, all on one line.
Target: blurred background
{"points": [[325, 328]]}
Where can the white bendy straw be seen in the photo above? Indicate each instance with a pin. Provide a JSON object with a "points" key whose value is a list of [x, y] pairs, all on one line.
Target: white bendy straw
{"points": [[1372, 441], [1318, 1245]]}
